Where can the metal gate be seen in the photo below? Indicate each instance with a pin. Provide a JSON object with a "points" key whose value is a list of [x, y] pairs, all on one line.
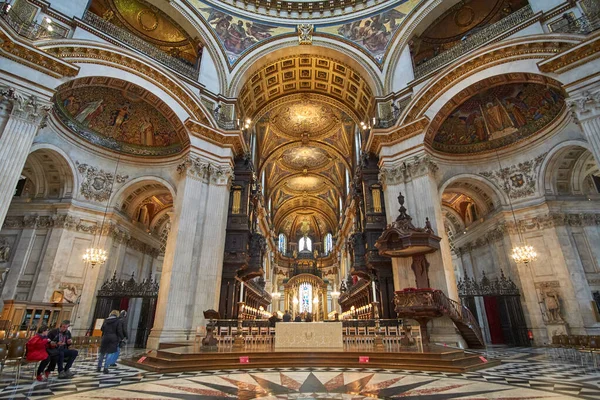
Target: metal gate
{"points": [[114, 293], [505, 297]]}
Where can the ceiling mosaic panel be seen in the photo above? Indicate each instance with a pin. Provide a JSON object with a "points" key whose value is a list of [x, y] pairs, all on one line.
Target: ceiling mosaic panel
{"points": [[236, 34], [120, 116], [305, 157], [294, 120], [497, 117], [375, 33]]}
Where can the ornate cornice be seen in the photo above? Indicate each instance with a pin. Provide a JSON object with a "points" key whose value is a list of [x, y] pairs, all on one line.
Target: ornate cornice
{"points": [[74, 224], [572, 57], [29, 109], [550, 220], [395, 135], [408, 170], [233, 140], [26, 54]]}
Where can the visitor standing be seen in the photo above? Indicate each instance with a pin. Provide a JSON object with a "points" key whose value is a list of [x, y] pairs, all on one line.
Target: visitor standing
{"points": [[112, 334], [115, 356]]}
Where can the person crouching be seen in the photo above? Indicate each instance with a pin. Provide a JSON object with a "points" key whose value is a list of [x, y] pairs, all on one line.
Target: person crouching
{"points": [[37, 351]]}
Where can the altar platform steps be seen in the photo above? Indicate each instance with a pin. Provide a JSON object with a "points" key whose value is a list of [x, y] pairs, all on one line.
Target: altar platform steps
{"points": [[178, 358]]}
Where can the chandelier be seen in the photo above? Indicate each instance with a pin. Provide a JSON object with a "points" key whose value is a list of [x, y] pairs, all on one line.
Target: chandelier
{"points": [[97, 255], [523, 254]]}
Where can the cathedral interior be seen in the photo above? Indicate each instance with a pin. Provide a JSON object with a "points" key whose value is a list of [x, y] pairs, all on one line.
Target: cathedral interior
{"points": [[423, 169]]}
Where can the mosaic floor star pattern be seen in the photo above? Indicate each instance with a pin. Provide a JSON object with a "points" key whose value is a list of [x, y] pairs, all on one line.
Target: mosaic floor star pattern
{"points": [[524, 374]]}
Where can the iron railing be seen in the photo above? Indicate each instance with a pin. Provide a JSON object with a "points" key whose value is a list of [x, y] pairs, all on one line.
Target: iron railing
{"points": [[30, 29], [478, 39], [129, 39], [457, 312], [582, 25]]}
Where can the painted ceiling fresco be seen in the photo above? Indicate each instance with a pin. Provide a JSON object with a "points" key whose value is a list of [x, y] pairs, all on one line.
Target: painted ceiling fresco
{"points": [[238, 34], [125, 118], [373, 34], [498, 117]]}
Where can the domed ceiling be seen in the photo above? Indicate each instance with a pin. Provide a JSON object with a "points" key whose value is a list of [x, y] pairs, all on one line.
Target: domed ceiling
{"points": [[305, 157], [484, 118], [120, 116], [303, 117]]}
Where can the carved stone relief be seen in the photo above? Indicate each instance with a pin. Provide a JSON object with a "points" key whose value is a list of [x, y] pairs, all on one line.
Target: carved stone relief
{"points": [[4, 250], [97, 184], [413, 168], [550, 301], [518, 181]]}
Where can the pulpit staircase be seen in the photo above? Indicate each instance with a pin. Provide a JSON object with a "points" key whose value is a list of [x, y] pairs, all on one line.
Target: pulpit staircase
{"points": [[463, 319]]}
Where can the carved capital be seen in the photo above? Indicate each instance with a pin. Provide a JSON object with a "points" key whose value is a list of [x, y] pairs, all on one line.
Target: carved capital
{"points": [[27, 108], [221, 176], [408, 170], [195, 168], [584, 106]]}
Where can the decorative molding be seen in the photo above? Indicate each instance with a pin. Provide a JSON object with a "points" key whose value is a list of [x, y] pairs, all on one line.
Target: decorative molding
{"points": [[518, 181], [234, 140], [572, 57], [305, 33], [547, 221], [71, 223], [97, 184], [397, 134], [408, 170]]}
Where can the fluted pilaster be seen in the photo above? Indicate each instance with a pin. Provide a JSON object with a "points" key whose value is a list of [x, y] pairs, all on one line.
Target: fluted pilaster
{"points": [[27, 116], [585, 109]]}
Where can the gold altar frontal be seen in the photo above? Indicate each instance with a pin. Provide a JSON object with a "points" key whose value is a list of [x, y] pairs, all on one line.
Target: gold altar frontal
{"points": [[190, 356], [309, 335]]}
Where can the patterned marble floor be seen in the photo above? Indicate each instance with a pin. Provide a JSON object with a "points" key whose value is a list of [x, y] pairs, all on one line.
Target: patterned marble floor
{"points": [[523, 374]]}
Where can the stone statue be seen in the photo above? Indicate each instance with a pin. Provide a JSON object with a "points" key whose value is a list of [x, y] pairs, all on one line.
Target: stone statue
{"points": [[551, 300], [4, 250], [70, 294]]}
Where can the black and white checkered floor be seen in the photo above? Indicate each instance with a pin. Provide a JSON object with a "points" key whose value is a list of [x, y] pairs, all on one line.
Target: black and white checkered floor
{"points": [[524, 373]]}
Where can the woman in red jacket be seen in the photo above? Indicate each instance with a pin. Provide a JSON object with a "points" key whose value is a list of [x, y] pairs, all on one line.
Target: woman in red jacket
{"points": [[36, 351]]}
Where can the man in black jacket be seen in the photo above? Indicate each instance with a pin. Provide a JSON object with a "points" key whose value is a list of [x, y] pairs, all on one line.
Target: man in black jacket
{"points": [[60, 341], [123, 322]]}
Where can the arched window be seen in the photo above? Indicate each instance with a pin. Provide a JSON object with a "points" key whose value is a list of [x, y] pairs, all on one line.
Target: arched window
{"points": [[282, 246], [305, 243], [328, 243]]}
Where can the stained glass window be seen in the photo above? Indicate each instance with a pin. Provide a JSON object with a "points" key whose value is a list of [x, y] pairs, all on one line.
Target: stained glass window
{"points": [[282, 243], [328, 243], [305, 297]]}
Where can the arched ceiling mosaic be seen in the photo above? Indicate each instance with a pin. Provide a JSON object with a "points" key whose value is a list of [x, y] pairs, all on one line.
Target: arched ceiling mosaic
{"points": [[120, 116], [496, 113], [307, 74], [240, 31], [151, 24], [305, 149]]}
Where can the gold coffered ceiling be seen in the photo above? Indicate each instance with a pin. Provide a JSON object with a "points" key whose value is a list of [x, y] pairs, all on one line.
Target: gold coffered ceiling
{"points": [[307, 74]]}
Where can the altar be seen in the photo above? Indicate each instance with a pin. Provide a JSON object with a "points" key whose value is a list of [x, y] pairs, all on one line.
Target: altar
{"points": [[308, 335]]}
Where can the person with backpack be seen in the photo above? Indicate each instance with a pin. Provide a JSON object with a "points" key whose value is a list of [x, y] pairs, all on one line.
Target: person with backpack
{"points": [[112, 335], [37, 351]]}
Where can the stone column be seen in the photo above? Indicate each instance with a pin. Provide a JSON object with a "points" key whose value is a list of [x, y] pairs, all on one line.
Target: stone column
{"points": [[26, 117], [585, 108], [188, 282], [415, 176]]}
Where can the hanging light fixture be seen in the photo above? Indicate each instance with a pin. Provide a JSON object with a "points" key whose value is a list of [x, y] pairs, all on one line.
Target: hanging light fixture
{"points": [[97, 255], [524, 253]]}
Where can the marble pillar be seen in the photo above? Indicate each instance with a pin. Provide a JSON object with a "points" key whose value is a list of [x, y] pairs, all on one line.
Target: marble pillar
{"points": [[194, 251], [27, 115], [585, 108], [416, 178]]}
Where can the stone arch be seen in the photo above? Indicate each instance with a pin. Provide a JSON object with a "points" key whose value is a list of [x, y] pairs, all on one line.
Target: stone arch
{"points": [[51, 173], [567, 170]]}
